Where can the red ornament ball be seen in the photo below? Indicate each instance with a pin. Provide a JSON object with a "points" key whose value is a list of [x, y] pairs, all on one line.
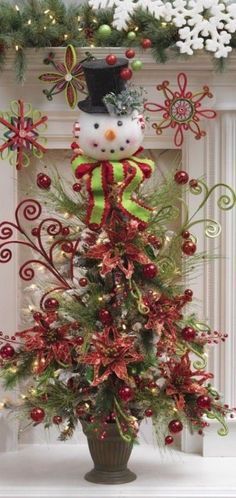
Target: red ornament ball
{"points": [[43, 181], [35, 231], [146, 43], [51, 304], [169, 440], [188, 292], [126, 74], [189, 247], [181, 177], [80, 340], [188, 333], [7, 351], [150, 270], [111, 59], [57, 420], [65, 231], [126, 393], [37, 415], [130, 53], [105, 317], [149, 412], [175, 426], [77, 187], [193, 183], [67, 247], [185, 234], [37, 316], [204, 402], [83, 282]]}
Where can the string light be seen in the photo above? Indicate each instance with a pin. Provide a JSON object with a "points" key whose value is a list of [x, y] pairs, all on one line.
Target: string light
{"points": [[46, 11], [29, 21], [50, 16], [164, 24], [2, 405], [17, 8], [54, 21], [79, 18], [65, 37], [80, 29], [136, 28], [45, 27], [17, 48]]}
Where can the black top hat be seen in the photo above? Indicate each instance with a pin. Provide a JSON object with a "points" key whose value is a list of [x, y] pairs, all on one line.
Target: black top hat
{"points": [[101, 79]]}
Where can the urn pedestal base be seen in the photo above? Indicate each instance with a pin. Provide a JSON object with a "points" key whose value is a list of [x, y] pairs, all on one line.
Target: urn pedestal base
{"points": [[110, 457]]}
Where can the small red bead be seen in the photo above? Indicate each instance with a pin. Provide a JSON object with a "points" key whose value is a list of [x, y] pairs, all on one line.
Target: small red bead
{"points": [[204, 402], [67, 247], [169, 440], [149, 412], [126, 74], [150, 270], [77, 187], [175, 426], [37, 415], [188, 292], [188, 333], [126, 393], [105, 317], [185, 234], [43, 181], [111, 59], [130, 53], [83, 282], [37, 316], [142, 226], [181, 177], [65, 231], [80, 340], [51, 304], [189, 247], [7, 351], [146, 43], [57, 420], [35, 231], [193, 183]]}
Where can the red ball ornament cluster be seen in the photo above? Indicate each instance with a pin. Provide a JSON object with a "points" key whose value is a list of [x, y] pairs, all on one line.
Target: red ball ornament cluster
{"points": [[37, 415], [105, 316], [150, 271], [126, 74], [126, 393], [175, 426], [189, 247], [181, 177], [111, 59], [43, 181], [7, 352], [51, 304], [146, 43]]}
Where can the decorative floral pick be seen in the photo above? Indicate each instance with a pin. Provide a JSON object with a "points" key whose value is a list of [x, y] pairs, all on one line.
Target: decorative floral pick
{"points": [[68, 77], [21, 136], [182, 110]]}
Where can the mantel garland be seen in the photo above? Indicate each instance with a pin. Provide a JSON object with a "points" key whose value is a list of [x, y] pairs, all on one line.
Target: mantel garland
{"points": [[52, 23]]}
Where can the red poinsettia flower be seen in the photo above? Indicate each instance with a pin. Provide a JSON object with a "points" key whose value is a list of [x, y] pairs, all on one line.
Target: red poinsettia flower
{"points": [[68, 77], [163, 313], [119, 252], [110, 354], [181, 380], [49, 342]]}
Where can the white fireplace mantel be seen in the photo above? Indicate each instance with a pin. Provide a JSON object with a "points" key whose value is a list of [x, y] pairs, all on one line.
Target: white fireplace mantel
{"points": [[213, 157]]}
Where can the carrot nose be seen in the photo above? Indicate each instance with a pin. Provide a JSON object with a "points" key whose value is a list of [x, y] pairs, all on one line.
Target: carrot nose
{"points": [[110, 135]]}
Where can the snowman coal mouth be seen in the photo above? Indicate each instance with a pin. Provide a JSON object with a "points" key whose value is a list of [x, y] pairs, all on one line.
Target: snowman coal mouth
{"points": [[112, 151]]}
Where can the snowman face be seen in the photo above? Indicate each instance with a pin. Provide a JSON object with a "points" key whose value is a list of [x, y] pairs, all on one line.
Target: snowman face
{"points": [[102, 136]]}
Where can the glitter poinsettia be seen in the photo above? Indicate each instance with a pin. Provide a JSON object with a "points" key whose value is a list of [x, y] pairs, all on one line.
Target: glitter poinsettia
{"points": [[182, 109], [111, 354], [119, 252], [22, 135], [49, 341], [181, 380], [68, 77]]}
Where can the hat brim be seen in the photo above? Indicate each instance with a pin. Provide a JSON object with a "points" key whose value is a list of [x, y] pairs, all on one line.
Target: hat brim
{"points": [[86, 106]]}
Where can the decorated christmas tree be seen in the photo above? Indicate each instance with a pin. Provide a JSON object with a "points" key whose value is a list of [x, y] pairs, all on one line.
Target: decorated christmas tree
{"points": [[114, 340]]}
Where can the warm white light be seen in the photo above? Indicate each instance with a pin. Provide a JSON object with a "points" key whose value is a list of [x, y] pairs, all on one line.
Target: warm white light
{"points": [[29, 21], [46, 11], [17, 8], [17, 47]]}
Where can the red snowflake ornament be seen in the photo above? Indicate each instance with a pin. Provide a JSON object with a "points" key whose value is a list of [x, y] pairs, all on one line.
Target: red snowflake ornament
{"points": [[21, 137], [182, 110], [68, 77]]}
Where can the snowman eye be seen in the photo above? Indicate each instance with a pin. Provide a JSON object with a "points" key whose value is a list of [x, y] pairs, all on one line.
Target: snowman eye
{"points": [[119, 123], [96, 125]]}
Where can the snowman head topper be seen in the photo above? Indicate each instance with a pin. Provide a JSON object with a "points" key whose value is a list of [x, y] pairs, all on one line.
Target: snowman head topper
{"points": [[111, 125]]}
